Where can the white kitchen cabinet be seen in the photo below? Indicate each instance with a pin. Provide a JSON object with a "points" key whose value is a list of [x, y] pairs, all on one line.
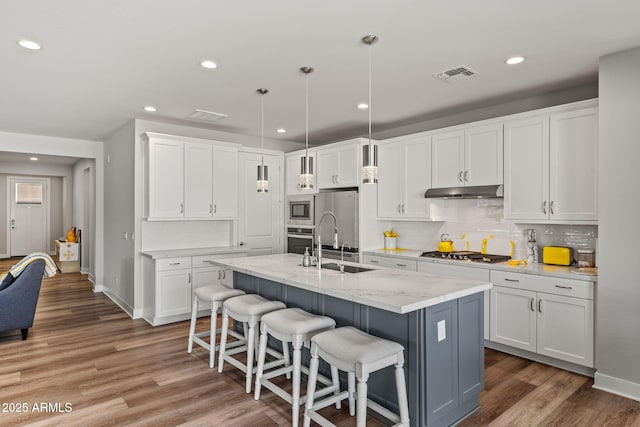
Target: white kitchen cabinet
{"points": [[390, 262], [165, 177], [469, 156], [338, 166], [169, 284], [551, 167], [549, 316], [188, 178], [225, 182], [403, 177], [293, 174]]}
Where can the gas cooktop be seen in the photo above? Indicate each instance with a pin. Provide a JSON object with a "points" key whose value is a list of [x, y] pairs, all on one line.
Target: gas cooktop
{"points": [[467, 256]]}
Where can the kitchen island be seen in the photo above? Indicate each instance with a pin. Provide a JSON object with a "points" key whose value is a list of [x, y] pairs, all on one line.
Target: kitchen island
{"points": [[438, 320]]}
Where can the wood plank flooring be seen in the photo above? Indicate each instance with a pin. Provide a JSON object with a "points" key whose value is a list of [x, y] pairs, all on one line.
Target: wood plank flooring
{"points": [[86, 363]]}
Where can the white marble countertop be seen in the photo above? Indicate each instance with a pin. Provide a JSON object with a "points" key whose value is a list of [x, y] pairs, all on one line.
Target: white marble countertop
{"points": [[173, 253], [388, 289], [538, 269]]}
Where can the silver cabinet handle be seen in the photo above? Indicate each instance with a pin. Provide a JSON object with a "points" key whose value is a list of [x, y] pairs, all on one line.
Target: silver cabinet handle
{"points": [[181, 208], [219, 274], [210, 209], [404, 210], [399, 208], [13, 224], [540, 305], [224, 274], [544, 207], [174, 263], [511, 280], [374, 261], [533, 301], [564, 287], [207, 261], [401, 265], [460, 176], [188, 277], [243, 243], [466, 176], [215, 208], [551, 207]]}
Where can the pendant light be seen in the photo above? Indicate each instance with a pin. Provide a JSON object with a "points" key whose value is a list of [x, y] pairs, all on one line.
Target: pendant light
{"points": [[262, 184], [370, 151], [306, 162]]}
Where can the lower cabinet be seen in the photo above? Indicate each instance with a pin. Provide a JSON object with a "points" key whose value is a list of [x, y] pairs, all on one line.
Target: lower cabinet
{"points": [[169, 285], [390, 262], [544, 315]]}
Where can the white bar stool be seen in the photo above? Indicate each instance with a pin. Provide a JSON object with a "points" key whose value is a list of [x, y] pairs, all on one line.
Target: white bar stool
{"points": [[295, 326], [359, 354], [215, 295], [248, 309]]}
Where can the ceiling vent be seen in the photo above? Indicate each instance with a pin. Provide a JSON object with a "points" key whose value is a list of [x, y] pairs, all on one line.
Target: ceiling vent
{"points": [[206, 116], [454, 74]]}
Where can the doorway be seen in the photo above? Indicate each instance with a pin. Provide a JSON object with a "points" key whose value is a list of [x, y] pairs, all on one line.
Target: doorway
{"points": [[260, 227], [29, 215]]}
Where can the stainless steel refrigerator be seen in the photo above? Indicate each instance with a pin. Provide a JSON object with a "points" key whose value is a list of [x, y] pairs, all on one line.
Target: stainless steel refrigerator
{"points": [[344, 205]]}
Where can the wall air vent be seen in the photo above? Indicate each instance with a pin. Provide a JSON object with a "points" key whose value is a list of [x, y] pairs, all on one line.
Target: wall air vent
{"points": [[206, 116], [454, 74]]}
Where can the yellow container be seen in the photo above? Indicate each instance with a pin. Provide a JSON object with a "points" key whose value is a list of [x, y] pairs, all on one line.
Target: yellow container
{"points": [[557, 255]]}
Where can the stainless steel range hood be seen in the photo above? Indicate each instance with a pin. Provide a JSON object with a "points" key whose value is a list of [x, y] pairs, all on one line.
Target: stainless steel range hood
{"points": [[478, 192]]}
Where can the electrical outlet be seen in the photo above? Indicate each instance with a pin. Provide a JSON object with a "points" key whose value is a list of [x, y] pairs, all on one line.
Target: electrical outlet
{"points": [[125, 236], [442, 331]]}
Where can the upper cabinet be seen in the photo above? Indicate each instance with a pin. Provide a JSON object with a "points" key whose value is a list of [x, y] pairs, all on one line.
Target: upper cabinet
{"points": [[338, 166], [551, 167], [293, 167], [190, 179], [403, 176], [469, 156]]}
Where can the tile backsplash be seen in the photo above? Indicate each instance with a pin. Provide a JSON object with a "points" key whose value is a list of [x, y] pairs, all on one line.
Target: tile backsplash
{"points": [[477, 219]]}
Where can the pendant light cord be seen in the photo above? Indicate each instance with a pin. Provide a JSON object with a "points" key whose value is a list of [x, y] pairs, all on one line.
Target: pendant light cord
{"points": [[370, 107], [262, 129], [306, 119]]}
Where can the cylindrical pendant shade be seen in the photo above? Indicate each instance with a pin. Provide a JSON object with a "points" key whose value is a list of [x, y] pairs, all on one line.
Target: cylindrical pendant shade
{"points": [[369, 164], [306, 172], [263, 179]]}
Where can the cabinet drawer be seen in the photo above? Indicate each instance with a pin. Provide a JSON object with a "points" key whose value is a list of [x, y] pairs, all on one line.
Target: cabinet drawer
{"points": [[390, 262], [166, 264], [459, 271], [551, 285]]}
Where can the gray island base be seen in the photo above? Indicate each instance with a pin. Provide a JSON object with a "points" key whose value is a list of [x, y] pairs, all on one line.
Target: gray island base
{"points": [[443, 341]]}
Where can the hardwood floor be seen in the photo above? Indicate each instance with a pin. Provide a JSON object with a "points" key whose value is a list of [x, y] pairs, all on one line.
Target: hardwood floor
{"points": [[85, 353]]}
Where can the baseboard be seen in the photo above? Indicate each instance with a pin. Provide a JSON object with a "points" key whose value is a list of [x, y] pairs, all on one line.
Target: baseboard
{"points": [[4, 256], [617, 386], [137, 313], [119, 302]]}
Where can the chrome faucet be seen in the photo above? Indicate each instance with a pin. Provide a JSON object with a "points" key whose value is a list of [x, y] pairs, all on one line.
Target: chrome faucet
{"points": [[342, 256], [335, 236]]}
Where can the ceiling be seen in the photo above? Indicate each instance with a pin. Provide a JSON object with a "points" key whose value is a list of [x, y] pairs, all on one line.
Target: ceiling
{"points": [[101, 62]]}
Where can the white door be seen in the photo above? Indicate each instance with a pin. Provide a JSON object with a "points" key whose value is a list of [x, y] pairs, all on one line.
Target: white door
{"points": [[483, 158], [347, 170], [198, 176], [29, 215], [513, 317], [417, 177], [225, 182], [390, 180], [326, 171], [261, 215], [166, 178]]}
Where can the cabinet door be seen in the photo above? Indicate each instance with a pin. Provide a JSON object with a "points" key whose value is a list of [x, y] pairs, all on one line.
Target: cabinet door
{"points": [[513, 317], [416, 174], [206, 276], [166, 179], [293, 175], [225, 182], [526, 168], [483, 155], [173, 292], [347, 170], [447, 160], [390, 197], [198, 180], [565, 328], [574, 165], [327, 160]]}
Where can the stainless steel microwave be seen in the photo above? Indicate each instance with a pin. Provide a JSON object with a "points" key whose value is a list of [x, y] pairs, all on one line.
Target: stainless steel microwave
{"points": [[301, 209]]}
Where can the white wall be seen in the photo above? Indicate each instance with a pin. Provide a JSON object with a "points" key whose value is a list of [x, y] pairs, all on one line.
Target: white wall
{"points": [[79, 219], [618, 292]]}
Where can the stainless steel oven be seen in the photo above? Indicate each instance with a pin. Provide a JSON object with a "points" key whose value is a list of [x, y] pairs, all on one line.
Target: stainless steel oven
{"points": [[299, 238], [300, 210]]}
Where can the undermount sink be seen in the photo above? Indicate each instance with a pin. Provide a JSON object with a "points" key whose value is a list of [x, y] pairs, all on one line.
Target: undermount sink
{"points": [[347, 268]]}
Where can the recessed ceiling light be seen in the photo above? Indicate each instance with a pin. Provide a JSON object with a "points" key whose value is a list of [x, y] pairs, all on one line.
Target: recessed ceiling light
{"points": [[150, 108], [208, 64], [363, 106], [514, 60], [33, 158], [281, 130], [28, 44]]}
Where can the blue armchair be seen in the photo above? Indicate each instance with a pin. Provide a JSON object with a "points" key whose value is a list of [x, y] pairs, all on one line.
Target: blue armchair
{"points": [[18, 301]]}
